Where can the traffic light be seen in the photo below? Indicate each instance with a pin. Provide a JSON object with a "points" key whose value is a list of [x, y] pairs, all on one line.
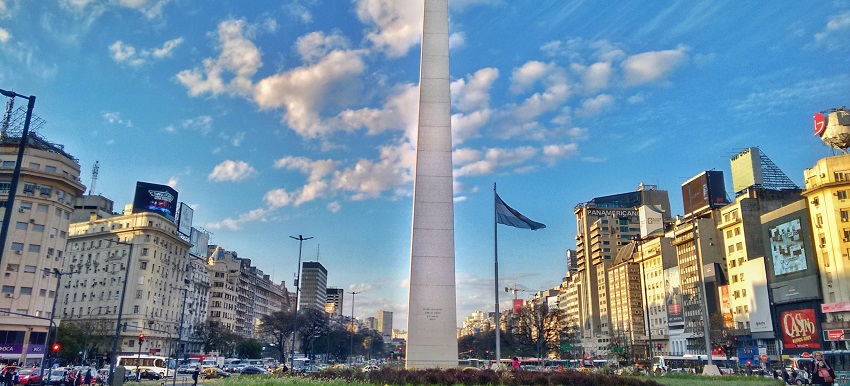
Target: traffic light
{"points": [[141, 338], [55, 348], [658, 346]]}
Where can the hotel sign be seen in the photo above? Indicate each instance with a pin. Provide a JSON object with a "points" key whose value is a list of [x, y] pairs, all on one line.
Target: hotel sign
{"points": [[612, 212]]}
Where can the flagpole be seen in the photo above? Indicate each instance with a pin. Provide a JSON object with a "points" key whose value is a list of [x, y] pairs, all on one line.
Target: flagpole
{"points": [[496, 259]]}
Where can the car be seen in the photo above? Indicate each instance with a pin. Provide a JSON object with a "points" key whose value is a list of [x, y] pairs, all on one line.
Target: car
{"points": [[214, 372], [148, 374], [253, 370], [186, 369], [29, 376], [57, 376]]}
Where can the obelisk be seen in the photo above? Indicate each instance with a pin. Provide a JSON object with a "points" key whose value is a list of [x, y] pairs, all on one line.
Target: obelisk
{"points": [[431, 319]]}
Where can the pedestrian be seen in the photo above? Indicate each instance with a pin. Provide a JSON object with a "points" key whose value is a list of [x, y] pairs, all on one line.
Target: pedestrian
{"points": [[515, 364], [7, 376], [823, 373], [195, 376], [88, 378]]}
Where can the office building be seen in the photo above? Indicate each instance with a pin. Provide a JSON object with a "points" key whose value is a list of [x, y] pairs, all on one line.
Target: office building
{"points": [[384, 324], [334, 301], [314, 281]]}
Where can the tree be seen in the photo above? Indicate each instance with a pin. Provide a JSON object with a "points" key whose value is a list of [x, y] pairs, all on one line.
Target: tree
{"points": [[90, 337], [278, 327], [536, 330], [249, 348], [214, 337], [312, 325]]}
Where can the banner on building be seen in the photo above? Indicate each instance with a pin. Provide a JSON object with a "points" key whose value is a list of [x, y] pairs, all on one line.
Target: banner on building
{"points": [[517, 305], [799, 329], [673, 297]]}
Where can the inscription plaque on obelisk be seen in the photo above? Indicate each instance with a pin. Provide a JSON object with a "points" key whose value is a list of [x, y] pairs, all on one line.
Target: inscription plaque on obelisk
{"points": [[431, 321]]}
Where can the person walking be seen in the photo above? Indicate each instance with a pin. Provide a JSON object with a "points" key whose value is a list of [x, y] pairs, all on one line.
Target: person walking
{"points": [[823, 373], [515, 364], [195, 376]]}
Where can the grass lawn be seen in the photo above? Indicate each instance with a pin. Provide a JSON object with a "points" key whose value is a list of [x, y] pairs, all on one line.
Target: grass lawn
{"points": [[726, 380]]}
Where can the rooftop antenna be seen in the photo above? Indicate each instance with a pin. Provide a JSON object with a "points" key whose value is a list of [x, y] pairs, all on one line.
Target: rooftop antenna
{"points": [[317, 252], [94, 171]]}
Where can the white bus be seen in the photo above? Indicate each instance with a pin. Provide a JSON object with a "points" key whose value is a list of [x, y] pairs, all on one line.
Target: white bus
{"points": [[143, 362], [689, 363]]}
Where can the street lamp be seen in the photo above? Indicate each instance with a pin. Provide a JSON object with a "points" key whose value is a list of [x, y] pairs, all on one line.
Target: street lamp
{"points": [[180, 331], [351, 353], [117, 336], [58, 275], [16, 175], [300, 239]]}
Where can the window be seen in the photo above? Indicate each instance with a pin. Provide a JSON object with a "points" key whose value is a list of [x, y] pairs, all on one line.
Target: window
{"points": [[8, 289], [35, 166], [845, 215], [139, 294], [21, 225], [143, 265], [18, 247], [50, 169], [26, 290], [25, 205], [30, 268], [136, 309], [29, 188], [45, 191], [5, 186], [737, 231], [38, 228], [8, 164], [41, 208], [842, 194], [34, 248]]}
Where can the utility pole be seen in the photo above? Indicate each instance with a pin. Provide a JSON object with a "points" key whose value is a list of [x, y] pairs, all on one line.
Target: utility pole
{"points": [[300, 239]]}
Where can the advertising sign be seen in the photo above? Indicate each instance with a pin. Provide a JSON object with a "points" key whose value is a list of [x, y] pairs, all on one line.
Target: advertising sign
{"points": [[746, 169], [673, 297], [200, 242], [651, 221], [726, 305], [155, 198], [799, 329], [706, 190], [786, 248], [184, 222], [517, 305], [820, 123], [834, 335], [759, 301], [835, 307]]}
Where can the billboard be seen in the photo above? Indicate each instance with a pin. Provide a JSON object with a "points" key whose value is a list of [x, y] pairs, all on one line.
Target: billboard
{"points": [[746, 169], [184, 219], [651, 221], [726, 305], [759, 302], [200, 242], [799, 329], [155, 198], [706, 190], [518, 305], [786, 248], [673, 297]]}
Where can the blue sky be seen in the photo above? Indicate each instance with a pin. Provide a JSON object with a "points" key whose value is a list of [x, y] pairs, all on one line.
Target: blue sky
{"points": [[274, 119]]}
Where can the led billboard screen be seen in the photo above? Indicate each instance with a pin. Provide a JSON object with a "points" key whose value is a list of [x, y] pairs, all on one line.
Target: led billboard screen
{"points": [[184, 221], [155, 198], [787, 249]]}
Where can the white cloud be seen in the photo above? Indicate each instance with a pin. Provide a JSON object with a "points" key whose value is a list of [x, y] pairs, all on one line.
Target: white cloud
{"points": [[302, 91], [151, 9], [398, 113], [836, 33], [496, 159], [114, 118], [334, 207], [652, 66], [553, 153], [233, 171], [528, 74], [235, 224], [466, 126], [596, 76], [5, 35], [172, 182], [398, 24], [127, 54], [593, 106], [473, 92], [551, 99], [457, 40], [315, 45], [239, 59]]}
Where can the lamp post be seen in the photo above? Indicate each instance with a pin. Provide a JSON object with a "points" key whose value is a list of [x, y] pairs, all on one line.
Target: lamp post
{"points": [[178, 351], [300, 239], [117, 336], [16, 174], [58, 275], [351, 353]]}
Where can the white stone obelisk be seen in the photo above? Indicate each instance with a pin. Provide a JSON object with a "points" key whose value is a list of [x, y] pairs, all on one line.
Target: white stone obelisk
{"points": [[431, 320]]}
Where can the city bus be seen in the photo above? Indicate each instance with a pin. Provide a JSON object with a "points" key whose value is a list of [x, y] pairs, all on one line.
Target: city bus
{"points": [[689, 363], [157, 364]]}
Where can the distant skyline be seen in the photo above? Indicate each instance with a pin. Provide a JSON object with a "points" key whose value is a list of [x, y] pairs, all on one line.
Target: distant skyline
{"points": [[273, 120]]}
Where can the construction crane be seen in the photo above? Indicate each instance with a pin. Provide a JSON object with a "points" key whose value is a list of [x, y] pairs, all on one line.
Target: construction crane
{"points": [[515, 290], [94, 171]]}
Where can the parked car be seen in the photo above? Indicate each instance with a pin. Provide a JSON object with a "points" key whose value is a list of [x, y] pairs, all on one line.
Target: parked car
{"points": [[57, 377], [253, 370], [29, 376], [148, 374], [186, 369]]}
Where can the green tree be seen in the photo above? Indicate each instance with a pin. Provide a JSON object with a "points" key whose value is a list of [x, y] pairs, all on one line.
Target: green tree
{"points": [[249, 348], [535, 330], [312, 326], [216, 337], [278, 327]]}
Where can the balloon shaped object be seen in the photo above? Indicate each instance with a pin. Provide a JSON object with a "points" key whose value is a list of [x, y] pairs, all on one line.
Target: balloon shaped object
{"points": [[833, 127]]}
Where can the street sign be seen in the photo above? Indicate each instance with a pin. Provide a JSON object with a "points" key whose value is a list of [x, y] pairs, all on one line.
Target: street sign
{"points": [[565, 347]]}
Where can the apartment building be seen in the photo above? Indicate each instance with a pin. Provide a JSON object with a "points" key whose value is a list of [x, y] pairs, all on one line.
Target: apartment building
{"points": [[36, 239]]}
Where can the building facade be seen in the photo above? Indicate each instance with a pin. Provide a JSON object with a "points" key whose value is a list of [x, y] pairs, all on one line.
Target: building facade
{"points": [[314, 282], [35, 244]]}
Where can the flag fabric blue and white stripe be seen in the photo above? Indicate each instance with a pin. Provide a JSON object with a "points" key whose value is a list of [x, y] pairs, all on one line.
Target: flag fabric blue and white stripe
{"points": [[510, 216]]}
